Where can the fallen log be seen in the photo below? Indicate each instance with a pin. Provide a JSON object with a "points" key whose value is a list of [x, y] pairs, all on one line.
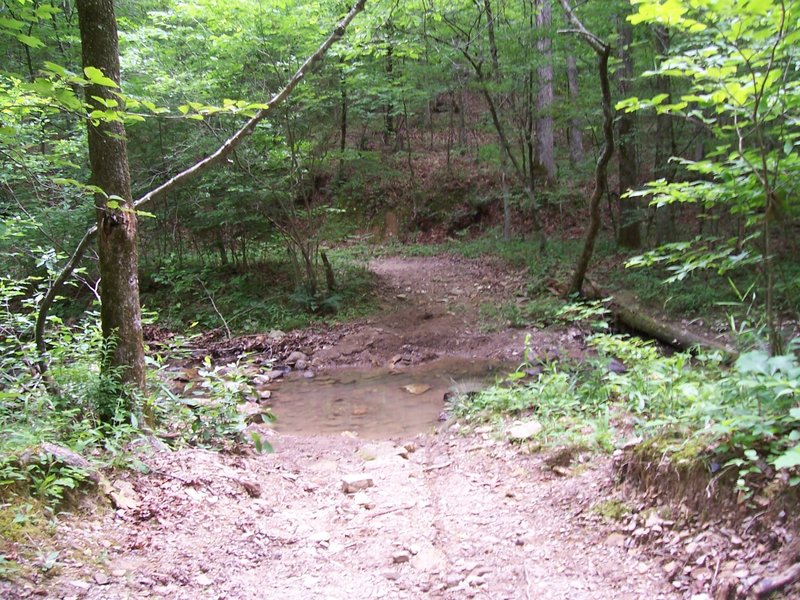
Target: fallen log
{"points": [[633, 316]]}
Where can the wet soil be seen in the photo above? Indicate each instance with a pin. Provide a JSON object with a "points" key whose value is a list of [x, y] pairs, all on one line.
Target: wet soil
{"points": [[442, 514]]}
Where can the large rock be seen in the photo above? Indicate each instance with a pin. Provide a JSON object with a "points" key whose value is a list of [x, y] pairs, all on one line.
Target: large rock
{"points": [[524, 431]]}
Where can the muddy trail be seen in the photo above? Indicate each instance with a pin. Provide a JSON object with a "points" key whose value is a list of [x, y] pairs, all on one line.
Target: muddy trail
{"points": [[356, 504]]}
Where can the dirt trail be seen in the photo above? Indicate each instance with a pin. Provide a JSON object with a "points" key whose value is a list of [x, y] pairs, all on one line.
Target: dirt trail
{"points": [[432, 308], [448, 514]]}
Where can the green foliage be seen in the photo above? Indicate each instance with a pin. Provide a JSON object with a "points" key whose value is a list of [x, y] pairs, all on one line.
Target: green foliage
{"points": [[211, 406], [262, 297], [743, 418], [740, 63], [77, 408]]}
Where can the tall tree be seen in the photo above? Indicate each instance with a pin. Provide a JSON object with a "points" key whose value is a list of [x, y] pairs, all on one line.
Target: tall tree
{"points": [[116, 219], [629, 225], [575, 129], [544, 101]]}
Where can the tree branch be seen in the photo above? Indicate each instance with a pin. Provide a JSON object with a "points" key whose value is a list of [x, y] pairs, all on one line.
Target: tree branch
{"points": [[219, 155], [603, 52]]}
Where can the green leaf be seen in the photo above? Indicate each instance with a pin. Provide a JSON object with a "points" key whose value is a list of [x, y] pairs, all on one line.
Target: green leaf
{"points": [[789, 459], [56, 68], [12, 24], [96, 76], [753, 362], [29, 40]]}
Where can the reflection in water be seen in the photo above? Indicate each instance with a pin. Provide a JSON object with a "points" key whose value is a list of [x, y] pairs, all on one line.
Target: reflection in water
{"points": [[375, 403]]}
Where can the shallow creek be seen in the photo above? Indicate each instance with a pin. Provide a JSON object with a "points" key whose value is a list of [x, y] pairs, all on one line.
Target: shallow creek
{"points": [[377, 402]]}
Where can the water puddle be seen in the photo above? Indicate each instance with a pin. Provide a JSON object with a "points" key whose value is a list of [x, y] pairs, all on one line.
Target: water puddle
{"points": [[376, 403]]}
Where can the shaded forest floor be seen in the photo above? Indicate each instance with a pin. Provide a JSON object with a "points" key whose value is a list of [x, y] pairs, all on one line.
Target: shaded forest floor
{"points": [[446, 512]]}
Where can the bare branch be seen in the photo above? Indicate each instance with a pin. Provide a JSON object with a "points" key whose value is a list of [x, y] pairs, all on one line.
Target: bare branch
{"points": [[595, 42]]}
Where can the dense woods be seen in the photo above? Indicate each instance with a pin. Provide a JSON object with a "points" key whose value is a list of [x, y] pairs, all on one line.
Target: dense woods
{"points": [[230, 166]]}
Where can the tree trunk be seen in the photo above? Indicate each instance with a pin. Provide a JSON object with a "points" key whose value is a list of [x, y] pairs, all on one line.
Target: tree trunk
{"points": [[487, 6], [342, 123], [117, 227], [544, 100], [629, 218], [664, 149], [575, 133], [389, 127], [603, 51], [631, 315]]}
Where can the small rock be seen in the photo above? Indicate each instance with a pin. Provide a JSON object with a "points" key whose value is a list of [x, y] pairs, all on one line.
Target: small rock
{"points": [[81, 585], [301, 365], [616, 366], [119, 572], [401, 557], [309, 374], [122, 494], [203, 580], [401, 296], [702, 574], [356, 482], [429, 560], [416, 388], [524, 431], [264, 395], [275, 374], [101, 579], [294, 357], [276, 334], [390, 574], [615, 539], [453, 579]]}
